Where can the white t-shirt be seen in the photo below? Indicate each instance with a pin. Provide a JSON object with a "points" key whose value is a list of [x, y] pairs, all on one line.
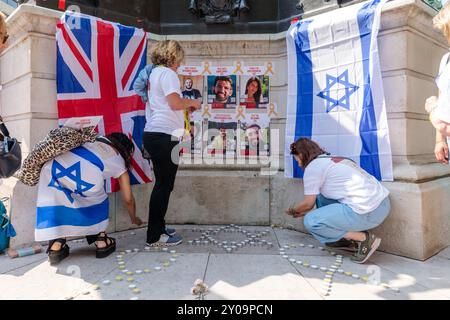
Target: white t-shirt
{"points": [[343, 180], [442, 112], [159, 115]]}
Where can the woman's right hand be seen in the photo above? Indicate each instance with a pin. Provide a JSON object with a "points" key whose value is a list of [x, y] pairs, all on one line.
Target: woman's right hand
{"points": [[441, 152], [195, 105]]}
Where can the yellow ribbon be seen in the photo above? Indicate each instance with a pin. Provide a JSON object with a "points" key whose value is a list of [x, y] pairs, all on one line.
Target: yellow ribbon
{"points": [[272, 110], [206, 68], [206, 111], [240, 112], [187, 122], [238, 68], [269, 68]]}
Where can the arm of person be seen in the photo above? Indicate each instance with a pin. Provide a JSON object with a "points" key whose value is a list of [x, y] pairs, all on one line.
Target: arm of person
{"points": [[177, 103], [441, 148], [303, 207], [128, 198], [441, 126], [140, 85]]}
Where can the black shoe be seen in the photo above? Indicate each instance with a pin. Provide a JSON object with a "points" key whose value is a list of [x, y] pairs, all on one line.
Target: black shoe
{"points": [[110, 246], [344, 244], [56, 256], [366, 248]]}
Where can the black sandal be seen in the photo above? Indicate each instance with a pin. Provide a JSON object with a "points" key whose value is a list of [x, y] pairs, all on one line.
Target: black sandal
{"points": [[106, 251], [56, 256]]}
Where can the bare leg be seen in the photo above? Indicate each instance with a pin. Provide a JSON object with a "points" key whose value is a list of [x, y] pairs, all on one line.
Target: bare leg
{"points": [[356, 236], [56, 246], [102, 244]]}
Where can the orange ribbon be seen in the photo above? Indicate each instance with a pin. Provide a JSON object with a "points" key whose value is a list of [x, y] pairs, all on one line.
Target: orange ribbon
{"points": [[269, 68], [240, 113], [238, 68], [206, 111], [206, 68], [272, 110]]}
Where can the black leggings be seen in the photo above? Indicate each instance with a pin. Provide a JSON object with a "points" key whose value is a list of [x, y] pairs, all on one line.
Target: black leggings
{"points": [[160, 146]]}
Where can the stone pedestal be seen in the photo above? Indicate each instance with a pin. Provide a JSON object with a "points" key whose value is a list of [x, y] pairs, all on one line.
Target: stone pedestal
{"points": [[410, 50]]}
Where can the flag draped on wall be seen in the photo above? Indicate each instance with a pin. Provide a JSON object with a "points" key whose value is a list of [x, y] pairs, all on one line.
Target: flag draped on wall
{"points": [[97, 64], [335, 90]]}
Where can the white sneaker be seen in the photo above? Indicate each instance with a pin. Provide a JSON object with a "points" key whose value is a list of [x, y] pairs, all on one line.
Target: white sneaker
{"points": [[166, 241]]}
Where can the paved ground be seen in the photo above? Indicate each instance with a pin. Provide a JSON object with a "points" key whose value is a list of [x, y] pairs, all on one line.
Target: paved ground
{"points": [[289, 268]]}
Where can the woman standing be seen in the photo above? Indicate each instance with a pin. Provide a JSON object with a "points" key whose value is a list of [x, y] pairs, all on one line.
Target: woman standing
{"points": [[439, 108], [72, 200], [163, 131], [349, 200]]}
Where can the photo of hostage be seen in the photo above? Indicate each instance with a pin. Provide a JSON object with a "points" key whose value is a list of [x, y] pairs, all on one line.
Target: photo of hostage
{"points": [[189, 91], [256, 93], [222, 137], [72, 200], [254, 141], [349, 201], [223, 91]]}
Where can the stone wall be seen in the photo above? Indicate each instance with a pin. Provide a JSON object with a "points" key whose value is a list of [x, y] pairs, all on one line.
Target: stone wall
{"points": [[410, 50]]}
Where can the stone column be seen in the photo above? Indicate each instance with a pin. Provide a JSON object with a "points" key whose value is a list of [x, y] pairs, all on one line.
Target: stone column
{"points": [[28, 100]]}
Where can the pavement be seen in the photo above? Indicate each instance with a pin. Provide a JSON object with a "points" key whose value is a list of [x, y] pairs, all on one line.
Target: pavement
{"points": [[262, 263]]}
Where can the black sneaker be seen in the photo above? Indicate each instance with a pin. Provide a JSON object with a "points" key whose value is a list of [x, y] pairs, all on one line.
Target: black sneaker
{"points": [[366, 248], [344, 244]]}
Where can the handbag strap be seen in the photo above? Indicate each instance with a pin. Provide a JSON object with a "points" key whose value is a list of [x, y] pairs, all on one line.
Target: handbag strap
{"points": [[4, 131], [330, 156], [104, 140]]}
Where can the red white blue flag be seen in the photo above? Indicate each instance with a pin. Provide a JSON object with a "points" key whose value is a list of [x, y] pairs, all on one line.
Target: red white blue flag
{"points": [[97, 64]]}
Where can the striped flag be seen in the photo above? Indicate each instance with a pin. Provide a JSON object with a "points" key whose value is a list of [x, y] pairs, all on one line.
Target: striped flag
{"points": [[97, 64], [335, 90]]}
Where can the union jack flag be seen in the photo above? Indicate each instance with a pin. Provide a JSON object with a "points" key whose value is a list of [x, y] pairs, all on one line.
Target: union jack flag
{"points": [[97, 64]]}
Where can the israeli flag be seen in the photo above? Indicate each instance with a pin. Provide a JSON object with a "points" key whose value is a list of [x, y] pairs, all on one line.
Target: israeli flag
{"points": [[335, 90]]}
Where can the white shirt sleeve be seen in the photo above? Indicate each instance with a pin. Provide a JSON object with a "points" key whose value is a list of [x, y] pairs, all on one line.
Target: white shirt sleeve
{"points": [[115, 167], [113, 162], [170, 83], [313, 179]]}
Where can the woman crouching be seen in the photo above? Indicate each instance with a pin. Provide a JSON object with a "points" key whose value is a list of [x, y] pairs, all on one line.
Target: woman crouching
{"points": [[349, 201], [72, 200]]}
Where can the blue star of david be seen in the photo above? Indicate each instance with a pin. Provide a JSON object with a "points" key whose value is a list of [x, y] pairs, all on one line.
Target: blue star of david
{"points": [[73, 173], [343, 101]]}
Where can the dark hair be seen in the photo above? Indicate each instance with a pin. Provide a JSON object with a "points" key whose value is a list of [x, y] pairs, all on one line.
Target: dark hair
{"points": [[223, 78], [257, 95], [254, 126], [123, 145], [307, 149]]}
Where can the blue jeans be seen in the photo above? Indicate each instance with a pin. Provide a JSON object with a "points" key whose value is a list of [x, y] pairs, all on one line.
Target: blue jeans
{"points": [[332, 219]]}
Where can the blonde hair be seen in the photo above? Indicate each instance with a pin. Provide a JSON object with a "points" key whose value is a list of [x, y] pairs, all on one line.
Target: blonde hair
{"points": [[442, 20], [2, 26], [167, 53]]}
